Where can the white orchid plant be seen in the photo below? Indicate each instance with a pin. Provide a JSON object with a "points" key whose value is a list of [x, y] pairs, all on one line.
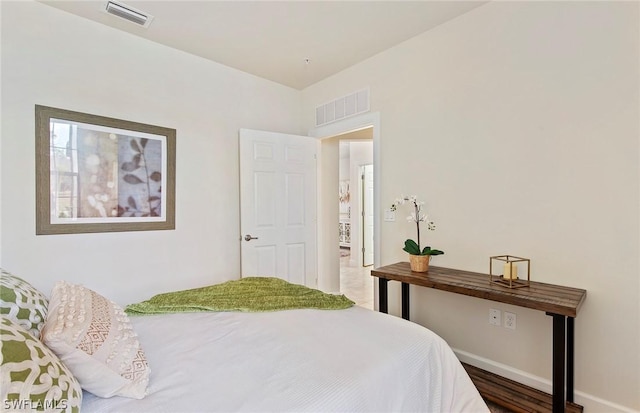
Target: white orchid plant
{"points": [[417, 216]]}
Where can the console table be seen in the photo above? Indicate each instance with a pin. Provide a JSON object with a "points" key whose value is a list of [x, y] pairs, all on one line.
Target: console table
{"points": [[561, 303]]}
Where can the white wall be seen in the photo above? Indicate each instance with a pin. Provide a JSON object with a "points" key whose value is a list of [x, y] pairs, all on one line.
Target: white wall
{"points": [[328, 212], [52, 58], [344, 161], [518, 123]]}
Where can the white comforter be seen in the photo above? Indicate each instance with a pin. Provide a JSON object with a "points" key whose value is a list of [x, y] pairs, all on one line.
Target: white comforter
{"points": [[353, 360]]}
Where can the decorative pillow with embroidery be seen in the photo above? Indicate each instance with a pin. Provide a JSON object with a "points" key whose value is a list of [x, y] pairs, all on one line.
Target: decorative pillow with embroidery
{"points": [[22, 303], [32, 377], [94, 338]]}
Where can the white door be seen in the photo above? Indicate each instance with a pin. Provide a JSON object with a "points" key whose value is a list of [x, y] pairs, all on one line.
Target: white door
{"points": [[278, 206], [367, 215]]}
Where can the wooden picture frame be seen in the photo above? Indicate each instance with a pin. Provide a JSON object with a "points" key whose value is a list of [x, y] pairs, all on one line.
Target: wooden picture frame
{"points": [[99, 174]]}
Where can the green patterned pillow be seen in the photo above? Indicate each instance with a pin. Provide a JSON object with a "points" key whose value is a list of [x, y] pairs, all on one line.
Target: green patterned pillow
{"points": [[21, 302], [32, 377]]}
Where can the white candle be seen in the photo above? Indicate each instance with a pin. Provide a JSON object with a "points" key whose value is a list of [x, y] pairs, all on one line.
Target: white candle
{"points": [[510, 271]]}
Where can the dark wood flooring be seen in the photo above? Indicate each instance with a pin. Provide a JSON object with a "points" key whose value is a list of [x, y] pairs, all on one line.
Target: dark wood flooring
{"points": [[496, 408], [510, 396]]}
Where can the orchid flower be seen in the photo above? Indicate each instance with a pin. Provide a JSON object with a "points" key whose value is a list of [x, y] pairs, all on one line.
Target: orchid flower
{"points": [[416, 216]]}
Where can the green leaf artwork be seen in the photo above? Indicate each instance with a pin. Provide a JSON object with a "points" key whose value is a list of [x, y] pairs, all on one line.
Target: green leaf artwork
{"points": [[141, 183]]}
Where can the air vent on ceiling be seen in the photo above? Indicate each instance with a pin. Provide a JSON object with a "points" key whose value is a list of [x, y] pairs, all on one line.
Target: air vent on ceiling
{"points": [[343, 107], [128, 13]]}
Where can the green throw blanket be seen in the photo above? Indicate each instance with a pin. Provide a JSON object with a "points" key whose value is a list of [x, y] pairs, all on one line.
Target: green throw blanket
{"points": [[248, 294]]}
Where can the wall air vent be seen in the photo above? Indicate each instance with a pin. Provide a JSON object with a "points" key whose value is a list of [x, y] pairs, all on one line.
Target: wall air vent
{"points": [[128, 13], [344, 107]]}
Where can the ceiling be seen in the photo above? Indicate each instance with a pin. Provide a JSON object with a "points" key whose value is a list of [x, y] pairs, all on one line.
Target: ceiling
{"points": [[295, 43]]}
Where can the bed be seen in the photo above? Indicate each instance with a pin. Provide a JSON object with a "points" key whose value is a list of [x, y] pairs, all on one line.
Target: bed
{"points": [[293, 360]]}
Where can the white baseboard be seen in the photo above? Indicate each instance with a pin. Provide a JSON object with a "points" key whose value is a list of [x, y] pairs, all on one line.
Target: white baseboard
{"points": [[591, 404]]}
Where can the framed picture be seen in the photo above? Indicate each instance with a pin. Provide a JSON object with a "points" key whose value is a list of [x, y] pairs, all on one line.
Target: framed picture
{"points": [[344, 195], [99, 174]]}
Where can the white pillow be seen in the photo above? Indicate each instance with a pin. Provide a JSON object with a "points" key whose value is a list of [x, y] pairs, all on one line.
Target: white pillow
{"points": [[93, 337]]}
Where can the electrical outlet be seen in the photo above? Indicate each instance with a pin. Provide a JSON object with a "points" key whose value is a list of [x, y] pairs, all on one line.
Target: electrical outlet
{"points": [[509, 320], [494, 317]]}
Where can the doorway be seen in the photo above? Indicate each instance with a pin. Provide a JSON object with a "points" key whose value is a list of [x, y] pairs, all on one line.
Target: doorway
{"points": [[328, 208], [356, 218]]}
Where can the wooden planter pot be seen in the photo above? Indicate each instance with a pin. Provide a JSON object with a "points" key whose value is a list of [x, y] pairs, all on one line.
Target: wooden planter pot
{"points": [[419, 263]]}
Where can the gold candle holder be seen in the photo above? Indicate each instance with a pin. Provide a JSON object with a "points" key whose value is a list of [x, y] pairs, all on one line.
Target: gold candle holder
{"points": [[509, 277]]}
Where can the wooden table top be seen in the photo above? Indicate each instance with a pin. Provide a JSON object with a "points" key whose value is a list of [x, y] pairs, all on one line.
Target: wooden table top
{"points": [[550, 298]]}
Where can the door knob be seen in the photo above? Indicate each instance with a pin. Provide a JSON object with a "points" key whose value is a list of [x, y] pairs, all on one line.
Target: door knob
{"points": [[249, 237]]}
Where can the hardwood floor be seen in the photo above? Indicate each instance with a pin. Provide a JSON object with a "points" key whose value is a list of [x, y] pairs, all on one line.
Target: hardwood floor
{"points": [[356, 282], [503, 395], [496, 408]]}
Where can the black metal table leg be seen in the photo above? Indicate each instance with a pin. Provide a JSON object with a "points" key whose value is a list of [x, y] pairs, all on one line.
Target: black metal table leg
{"points": [[559, 359], [382, 295], [570, 357], [405, 301]]}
